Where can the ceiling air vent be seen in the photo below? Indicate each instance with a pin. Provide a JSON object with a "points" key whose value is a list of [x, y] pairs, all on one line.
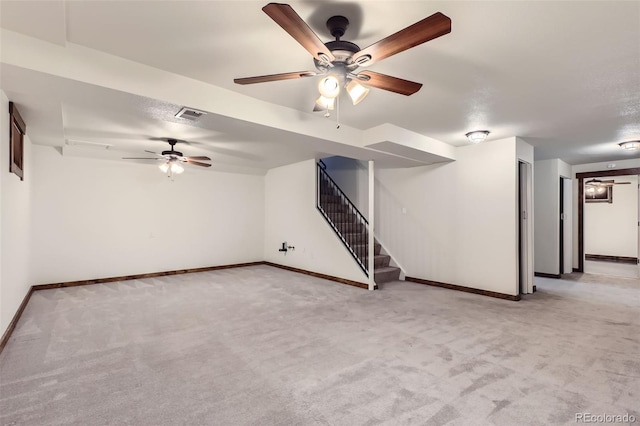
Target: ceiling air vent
{"points": [[190, 113], [85, 144]]}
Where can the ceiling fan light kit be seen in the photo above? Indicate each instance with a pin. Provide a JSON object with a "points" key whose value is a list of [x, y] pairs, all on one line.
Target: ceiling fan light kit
{"points": [[171, 167], [630, 145], [477, 136], [338, 60]]}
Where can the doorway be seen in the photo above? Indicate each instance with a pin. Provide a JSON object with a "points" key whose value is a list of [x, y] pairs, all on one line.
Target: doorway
{"points": [[565, 249], [582, 177], [525, 228]]}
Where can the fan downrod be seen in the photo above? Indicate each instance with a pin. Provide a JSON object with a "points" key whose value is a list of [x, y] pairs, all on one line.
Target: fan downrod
{"points": [[337, 26], [172, 151]]}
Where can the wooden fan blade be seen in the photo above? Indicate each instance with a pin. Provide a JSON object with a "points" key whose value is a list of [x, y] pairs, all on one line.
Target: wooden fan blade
{"points": [[201, 157], [429, 28], [198, 163], [291, 22], [273, 77], [387, 82]]}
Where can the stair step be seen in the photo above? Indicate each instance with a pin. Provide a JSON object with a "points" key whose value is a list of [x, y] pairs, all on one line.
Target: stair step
{"points": [[362, 248], [381, 261], [350, 227], [342, 217], [335, 207], [356, 237], [330, 198], [384, 275]]}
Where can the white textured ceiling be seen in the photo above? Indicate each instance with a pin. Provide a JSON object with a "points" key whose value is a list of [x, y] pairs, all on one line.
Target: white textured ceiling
{"points": [[563, 75]]}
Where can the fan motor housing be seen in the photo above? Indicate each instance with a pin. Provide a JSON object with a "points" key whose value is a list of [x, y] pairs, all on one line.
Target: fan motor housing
{"points": [[343, 51]]}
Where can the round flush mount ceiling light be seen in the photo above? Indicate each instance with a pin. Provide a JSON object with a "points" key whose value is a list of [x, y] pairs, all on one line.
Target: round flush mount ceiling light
{"points": [[477, 136], [630, 145]]}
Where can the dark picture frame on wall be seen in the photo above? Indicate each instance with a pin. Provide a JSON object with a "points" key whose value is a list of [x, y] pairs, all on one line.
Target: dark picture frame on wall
{"points": [[17, 130], [599, 194]]}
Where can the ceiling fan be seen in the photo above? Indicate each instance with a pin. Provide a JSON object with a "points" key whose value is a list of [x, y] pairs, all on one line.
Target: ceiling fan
{"points": [[595, 187], [339, 60], [172, 160], [600, 184]]}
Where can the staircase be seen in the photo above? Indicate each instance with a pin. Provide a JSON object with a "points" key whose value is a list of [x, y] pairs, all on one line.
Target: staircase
{"points": [[382, 272], [351, 227]]}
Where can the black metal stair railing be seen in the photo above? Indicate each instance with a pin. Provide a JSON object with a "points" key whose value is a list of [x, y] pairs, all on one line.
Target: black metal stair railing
{"points": [[343, 216]]}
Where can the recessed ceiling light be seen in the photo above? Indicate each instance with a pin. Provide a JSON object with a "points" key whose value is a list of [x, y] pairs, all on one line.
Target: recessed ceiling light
{"points": [[477, 136], [630, 145]]}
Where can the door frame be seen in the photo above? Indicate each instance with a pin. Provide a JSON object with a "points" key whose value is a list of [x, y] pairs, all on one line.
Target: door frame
{"points": [[561, 229], [525, 227], [581, 177]]}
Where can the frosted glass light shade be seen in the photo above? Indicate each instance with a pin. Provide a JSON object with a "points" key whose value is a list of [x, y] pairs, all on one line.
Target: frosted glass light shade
{"points": [[631, 145], [323, 103], [164, 167], [477, 136], [176, 168], [357, 92], [329, 86]]}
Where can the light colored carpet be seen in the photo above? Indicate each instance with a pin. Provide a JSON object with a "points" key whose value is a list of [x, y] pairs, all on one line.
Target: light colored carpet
{"points": [[615, 269], [263, 346]]}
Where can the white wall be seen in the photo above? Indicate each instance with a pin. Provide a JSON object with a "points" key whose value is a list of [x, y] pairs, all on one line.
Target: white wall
{"points": [[100, 218], [291, 215], [524, 151], [352, 177], [459, 223], [612, 229], [15, 202], [546, 216]]}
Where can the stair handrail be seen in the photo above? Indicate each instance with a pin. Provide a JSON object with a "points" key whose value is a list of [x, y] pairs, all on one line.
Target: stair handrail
{"points": [[351, 208], [324, 171]]}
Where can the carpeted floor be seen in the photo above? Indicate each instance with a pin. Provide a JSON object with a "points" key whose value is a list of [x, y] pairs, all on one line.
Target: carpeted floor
{"points": [[616, 269], [264, 346]]}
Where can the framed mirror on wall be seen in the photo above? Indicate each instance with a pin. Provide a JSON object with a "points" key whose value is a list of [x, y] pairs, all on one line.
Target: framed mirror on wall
{"points": [[17, 130]]}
